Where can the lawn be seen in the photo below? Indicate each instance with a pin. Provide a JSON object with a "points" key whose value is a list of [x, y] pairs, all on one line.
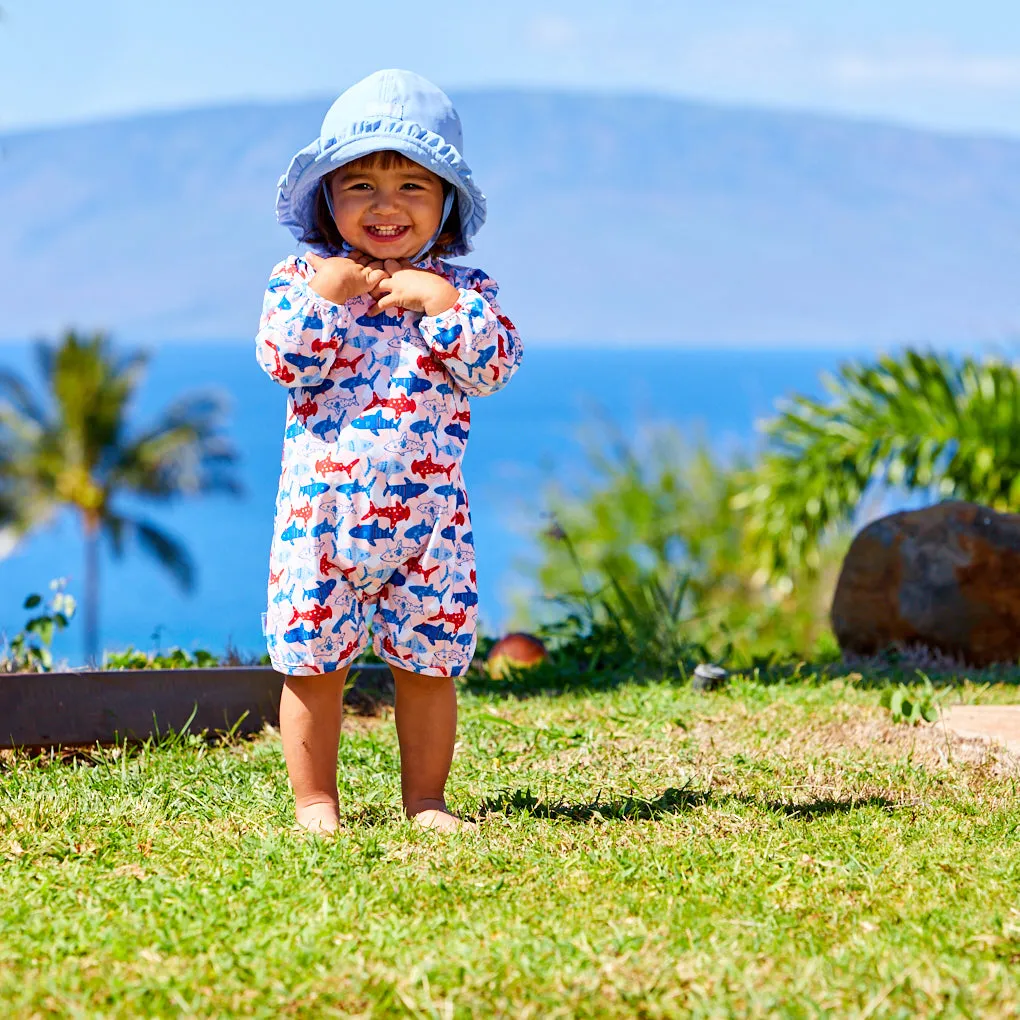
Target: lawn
{"points": [[645, 851]]}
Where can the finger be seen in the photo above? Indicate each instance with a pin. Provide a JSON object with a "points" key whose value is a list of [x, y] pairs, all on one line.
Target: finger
{"points": [[392, 266], [313, 260], [389, 301], [374, 276]]}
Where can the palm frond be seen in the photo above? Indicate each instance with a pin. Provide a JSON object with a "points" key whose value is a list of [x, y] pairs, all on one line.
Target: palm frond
{"points": [[164, 548], [920, 422]]}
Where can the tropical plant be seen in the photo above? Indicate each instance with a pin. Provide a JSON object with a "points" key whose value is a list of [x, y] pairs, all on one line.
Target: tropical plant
{"points": [[29, 649], [918, 422], [655, 521], [71, 449]]}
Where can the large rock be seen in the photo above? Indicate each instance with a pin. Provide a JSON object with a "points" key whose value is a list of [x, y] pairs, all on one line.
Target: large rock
{"points": [[947, 577]]}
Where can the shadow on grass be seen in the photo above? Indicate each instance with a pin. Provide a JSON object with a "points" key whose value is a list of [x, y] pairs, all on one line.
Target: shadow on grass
{"points": [[672, 801]]}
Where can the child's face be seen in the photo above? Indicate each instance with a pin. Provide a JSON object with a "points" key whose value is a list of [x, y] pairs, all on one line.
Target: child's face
{"points": [[387, 209]]}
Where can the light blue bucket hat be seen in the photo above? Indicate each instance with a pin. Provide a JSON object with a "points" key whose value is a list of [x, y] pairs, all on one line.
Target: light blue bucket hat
{"points": [[390, 110]]}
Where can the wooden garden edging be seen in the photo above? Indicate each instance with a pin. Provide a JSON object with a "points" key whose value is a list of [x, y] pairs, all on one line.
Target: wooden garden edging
{"points": [[107, 706]]}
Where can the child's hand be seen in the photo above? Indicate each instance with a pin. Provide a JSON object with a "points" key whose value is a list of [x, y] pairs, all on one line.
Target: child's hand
{"points": [[417, 289], [340, 279]]}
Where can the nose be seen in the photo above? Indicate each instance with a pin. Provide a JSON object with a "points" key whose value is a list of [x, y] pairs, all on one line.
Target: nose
{"points": [[385, 201]]}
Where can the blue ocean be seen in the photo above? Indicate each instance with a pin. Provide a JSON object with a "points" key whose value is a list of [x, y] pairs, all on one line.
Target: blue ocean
{"points": [[523, 438]]}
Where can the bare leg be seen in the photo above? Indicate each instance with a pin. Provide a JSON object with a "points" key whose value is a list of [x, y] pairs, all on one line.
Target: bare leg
{"points": [[311, 710], [426, 710]]}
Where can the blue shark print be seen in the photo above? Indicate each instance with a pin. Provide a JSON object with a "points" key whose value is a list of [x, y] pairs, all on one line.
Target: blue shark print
{"points": [[371, 533], [468, 537], [294, 429], [314, 489], [374, 423], [330, 424], [303, 361], [457, 431], [449, 532], [483, 359], [466, 598], [426, 591], [381, 322], [445, 388], [448, 337], [390, 616], [407, 490], [419, 531], [302, 633], [321, 591], [434, 633], [284, 596], [353, 488], [353, 382], [292, 533], [422, 427], [411, 383], [386, 467]]}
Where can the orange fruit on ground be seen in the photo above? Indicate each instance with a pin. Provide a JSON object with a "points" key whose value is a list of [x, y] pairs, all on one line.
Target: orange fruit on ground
{"points": [[518, 650]]}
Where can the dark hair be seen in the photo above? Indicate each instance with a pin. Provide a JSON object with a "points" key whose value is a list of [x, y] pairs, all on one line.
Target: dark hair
{"points": [[324, 233]]}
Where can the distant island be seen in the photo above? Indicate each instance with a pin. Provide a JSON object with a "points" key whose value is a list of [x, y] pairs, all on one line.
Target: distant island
{"points": [[627, 220]]}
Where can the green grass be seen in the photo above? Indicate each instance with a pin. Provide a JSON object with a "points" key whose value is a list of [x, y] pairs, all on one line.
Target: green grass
{"points": [[646, 851]]}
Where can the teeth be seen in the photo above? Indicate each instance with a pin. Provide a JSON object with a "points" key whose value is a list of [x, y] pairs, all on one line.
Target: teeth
{"points": [[386, 230]]}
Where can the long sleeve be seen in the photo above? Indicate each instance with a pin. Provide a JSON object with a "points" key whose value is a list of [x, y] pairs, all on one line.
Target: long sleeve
{"points": [[300, 332], [475, 342]]}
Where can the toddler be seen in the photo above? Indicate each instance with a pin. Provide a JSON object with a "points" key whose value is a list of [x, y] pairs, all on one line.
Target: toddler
{"points": [[380, 343]]}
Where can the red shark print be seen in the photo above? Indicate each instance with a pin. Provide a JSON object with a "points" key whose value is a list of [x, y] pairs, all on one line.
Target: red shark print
{"points": [[397, 512], [453, 352], [495, 373], [388, 647], [464, 416], [327, 464], [456, 619], [350, 363], [471, 574], [275, 578], [398, 404], [314, 616], [302, 513], [306, 410], [324, 345], [326, 565], [502, 346], [347, 649], [428, 364], [507, 324], [414, 566], [458, 518], [426, 467], [282, 372]]}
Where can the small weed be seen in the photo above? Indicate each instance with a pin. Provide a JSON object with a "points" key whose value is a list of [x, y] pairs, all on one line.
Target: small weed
{"points": [[29, 650], [910, 704]]}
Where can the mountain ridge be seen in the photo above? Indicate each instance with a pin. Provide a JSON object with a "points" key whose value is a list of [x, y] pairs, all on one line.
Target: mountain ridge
{"points": [[745, 225]]}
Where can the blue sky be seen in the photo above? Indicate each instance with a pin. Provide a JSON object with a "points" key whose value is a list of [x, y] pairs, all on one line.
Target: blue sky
{"points": [[942, 63]]}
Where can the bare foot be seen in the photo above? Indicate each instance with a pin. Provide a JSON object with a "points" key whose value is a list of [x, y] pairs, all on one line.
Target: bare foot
{"points": [[442, 821], [321, 819]]}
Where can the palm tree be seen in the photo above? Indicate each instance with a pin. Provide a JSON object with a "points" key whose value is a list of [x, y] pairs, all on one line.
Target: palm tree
{"points": [[919, 422], [72, 450]]}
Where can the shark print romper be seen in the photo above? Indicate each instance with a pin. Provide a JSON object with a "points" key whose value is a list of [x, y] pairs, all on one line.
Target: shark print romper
{"points": [[371, 511]]}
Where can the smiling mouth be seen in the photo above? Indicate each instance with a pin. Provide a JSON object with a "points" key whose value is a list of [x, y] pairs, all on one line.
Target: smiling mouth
{"points": [[387, 233]]}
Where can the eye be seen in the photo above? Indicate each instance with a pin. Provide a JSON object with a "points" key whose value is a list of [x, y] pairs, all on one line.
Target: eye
{"points": [[411, 184]]}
